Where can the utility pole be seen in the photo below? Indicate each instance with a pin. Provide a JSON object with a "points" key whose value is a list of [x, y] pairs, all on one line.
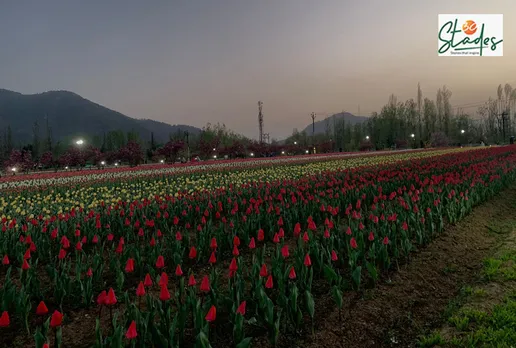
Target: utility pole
{"points": [[313, 130], [260, 121]]}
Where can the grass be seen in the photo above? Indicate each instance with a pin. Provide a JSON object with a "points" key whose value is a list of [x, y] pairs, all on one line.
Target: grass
{"points": [[484, 315]]}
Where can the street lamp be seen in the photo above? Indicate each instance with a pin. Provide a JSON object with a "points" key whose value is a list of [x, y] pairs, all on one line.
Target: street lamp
{"points": [[103, 163], [214, 149], [79, 142], [14, 169], [295, 142], [116, 164], [215, 156], [252, 154], [161, 161], [282, 152], [367, 137], [462, 131], [412, 135], [306, 151]]}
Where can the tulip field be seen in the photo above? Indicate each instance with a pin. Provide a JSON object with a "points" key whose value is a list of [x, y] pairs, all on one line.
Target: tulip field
{"points": [[220, 255]]}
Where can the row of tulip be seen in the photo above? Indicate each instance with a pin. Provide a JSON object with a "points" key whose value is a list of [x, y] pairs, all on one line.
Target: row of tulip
{"points": [[241, 260], [60, 200], [45, 180]]}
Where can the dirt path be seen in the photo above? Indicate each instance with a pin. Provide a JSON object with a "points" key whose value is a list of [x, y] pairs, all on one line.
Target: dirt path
{"points": [[396, 312]]}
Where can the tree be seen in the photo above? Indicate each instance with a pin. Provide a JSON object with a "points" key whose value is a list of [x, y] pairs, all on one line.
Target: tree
{"points": [[47, 159], [131, 153], [170, 150]]}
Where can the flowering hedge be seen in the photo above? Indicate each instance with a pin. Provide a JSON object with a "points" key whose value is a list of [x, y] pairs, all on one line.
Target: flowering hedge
{"points": [[175, 266]]}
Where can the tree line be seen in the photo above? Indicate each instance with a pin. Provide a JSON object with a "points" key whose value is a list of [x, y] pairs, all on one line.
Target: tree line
{"points": [[420, 122]]}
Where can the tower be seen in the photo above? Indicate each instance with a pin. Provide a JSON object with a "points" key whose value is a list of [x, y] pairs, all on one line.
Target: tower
{"points": [[260, 121]]}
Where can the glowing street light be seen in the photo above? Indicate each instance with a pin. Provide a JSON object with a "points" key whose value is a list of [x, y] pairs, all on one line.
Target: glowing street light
{"points": [[412, 135], [367, 137], [306, 151], [79, 142], [252, 154], [103, 163], [462, 131], [66, 167], [13, 169], [161, 161], [295, 142], [116, 163], [214, 149], [282, 152]]}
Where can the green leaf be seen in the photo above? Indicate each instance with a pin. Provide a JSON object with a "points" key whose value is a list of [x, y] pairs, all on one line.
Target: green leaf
{"points": [[245, 343], [330, 274], [310, 305]]}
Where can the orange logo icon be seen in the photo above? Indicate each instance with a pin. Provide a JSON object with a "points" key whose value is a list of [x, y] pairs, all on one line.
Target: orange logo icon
{"points": [[470, 27]]}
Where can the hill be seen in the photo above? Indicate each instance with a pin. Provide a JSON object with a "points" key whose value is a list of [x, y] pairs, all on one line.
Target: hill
{"points": [[328, 122], [72, 115]]}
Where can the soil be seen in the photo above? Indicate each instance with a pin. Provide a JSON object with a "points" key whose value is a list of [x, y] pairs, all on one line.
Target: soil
{"points": [[406, 303], [411, 301]]}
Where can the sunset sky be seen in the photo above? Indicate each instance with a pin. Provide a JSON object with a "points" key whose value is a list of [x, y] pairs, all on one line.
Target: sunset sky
{"points": [[195, 61]]}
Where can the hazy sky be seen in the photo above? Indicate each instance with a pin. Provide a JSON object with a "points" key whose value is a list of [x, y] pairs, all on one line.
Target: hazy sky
{"points": [[194, 61]]}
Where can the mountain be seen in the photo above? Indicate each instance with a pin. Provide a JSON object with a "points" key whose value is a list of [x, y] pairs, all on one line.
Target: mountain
{"points": [[321, 126], [70, 115]]}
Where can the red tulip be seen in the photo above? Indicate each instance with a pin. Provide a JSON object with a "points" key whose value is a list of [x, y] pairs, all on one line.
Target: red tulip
{"points": [[305, 237], [212, 259], [25, 265], [179, 271], [191, 280], [101, 299], [212, 314], [129, 266], [179, 237], [353, 243], [252, 243], [147, 281], [236, 241], [235, 251], [268, 283], [233, 265], [5, 260], [131, 331], [41, 309], [386, 240], [62, 254], [160, 262], [163, 279], [284, 251], [26, 256], [164, 294], [241, 308], [140, 290], [261, 235], [56, 319], [213, 243], [334, 256], [308, 261], [193, 253], [89, 273], [4, 319], [263, 271], [275, 239], [205, 284], [292, 273], [110, 298], [371, 236]]}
